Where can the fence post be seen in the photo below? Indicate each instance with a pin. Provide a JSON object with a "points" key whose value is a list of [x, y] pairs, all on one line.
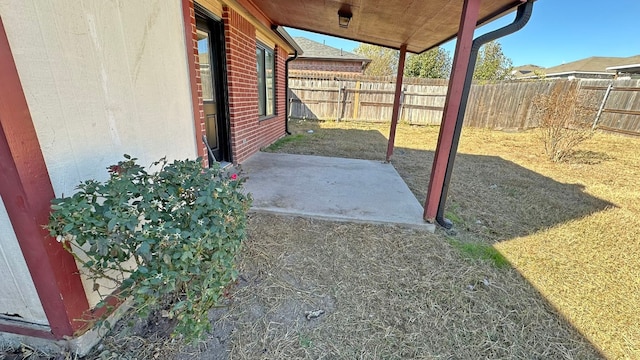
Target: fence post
{"points": [[356, 100], [338, 102], [343, 101], [604, 102], [402, 98]]}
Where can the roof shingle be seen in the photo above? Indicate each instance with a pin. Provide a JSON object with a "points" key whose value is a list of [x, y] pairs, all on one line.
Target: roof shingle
{"points": [[315, 50], [597, 64]]}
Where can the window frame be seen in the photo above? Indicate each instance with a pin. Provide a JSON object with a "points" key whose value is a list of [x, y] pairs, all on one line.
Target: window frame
{"points": [[262, 81]]}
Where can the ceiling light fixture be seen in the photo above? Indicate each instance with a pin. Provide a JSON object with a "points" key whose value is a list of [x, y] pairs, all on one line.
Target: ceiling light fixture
{"points": [[344, 17]]}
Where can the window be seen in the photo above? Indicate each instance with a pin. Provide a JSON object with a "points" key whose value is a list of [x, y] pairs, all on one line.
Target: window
{"points": [[266, 81]]}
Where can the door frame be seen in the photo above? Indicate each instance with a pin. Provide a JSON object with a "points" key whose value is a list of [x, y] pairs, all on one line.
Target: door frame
{"points": [[219, 73]]}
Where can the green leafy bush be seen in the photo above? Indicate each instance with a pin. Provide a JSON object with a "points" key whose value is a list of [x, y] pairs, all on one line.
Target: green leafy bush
{"points": [[166, 238]]}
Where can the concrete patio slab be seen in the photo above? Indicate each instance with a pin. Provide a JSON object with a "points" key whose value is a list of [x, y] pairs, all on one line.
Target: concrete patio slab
{"points": [[331, 189]]}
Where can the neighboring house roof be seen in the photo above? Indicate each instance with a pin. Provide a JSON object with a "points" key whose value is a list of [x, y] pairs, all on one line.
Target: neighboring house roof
{"points": [[594, 64], [598, 65], [315, 50], [628, 68], [590, 64], [525, 70]]}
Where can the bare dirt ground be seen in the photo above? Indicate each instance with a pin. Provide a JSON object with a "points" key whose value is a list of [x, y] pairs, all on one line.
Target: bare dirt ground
{"points": [[563, 284]]}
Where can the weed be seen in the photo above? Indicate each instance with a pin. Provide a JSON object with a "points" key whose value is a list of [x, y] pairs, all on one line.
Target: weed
{"points": [[305, 341], [479, 251], [452, 214], [284, 141]]}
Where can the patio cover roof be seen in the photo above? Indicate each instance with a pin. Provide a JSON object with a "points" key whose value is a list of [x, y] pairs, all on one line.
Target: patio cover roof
{"points": [[420, 24]]}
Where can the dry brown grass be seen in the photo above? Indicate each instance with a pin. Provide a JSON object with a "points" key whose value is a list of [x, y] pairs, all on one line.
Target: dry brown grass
{"points": [[569, 228], [387, 293]]}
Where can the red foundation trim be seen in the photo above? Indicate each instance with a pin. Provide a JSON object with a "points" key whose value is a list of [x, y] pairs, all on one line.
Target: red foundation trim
{"points": [[112, 301], [26, 190], [88, 319], [27, 331]]}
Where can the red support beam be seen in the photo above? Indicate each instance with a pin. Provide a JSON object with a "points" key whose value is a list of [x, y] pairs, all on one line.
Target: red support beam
{"points": [[461, 61], [26, 191], [396, 102]]}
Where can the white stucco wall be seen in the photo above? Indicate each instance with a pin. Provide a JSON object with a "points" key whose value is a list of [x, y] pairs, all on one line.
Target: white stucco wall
{"points": [[102, 78], [18, 293]]}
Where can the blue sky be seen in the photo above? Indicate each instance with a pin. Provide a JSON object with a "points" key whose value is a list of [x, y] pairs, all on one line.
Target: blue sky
{"points": [[559, 31]]}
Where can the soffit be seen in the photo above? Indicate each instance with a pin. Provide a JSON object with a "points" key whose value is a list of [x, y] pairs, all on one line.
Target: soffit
{"points": [[421, 24]]}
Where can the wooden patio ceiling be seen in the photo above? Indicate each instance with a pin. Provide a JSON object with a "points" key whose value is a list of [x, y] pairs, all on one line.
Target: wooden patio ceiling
{"points": [[420, 24]]}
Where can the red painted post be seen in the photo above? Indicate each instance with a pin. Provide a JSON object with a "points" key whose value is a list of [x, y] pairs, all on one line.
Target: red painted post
{"points": [[461, 60], [396, 102], [26, 191]]}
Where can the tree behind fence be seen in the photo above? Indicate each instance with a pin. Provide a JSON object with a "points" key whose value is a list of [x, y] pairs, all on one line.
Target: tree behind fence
{"points": [[506, 105]]}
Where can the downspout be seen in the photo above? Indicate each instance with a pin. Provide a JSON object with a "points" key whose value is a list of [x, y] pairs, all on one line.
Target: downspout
{"points": [[286, 91], [297, 51], [522, 17]]}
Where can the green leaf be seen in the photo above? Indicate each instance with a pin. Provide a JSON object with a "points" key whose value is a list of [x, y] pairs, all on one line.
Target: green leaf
{"points": [[186, 255], [144, 249], [112, 224], [179, 305]]}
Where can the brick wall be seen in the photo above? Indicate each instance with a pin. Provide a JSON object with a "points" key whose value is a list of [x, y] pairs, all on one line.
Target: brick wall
{"points": [[248, 133], [326, 65], [194, 73]]}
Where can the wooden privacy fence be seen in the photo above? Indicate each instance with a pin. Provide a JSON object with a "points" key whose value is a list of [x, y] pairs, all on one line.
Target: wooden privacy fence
{"points": [[365, 98], [506, 105]]}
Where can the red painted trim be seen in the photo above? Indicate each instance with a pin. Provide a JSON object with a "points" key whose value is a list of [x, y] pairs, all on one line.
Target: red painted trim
{"points": [[112, 301], [468, 21], [191, 44], [26, 190], [396, 102], [89, 318], [27, 331]]}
